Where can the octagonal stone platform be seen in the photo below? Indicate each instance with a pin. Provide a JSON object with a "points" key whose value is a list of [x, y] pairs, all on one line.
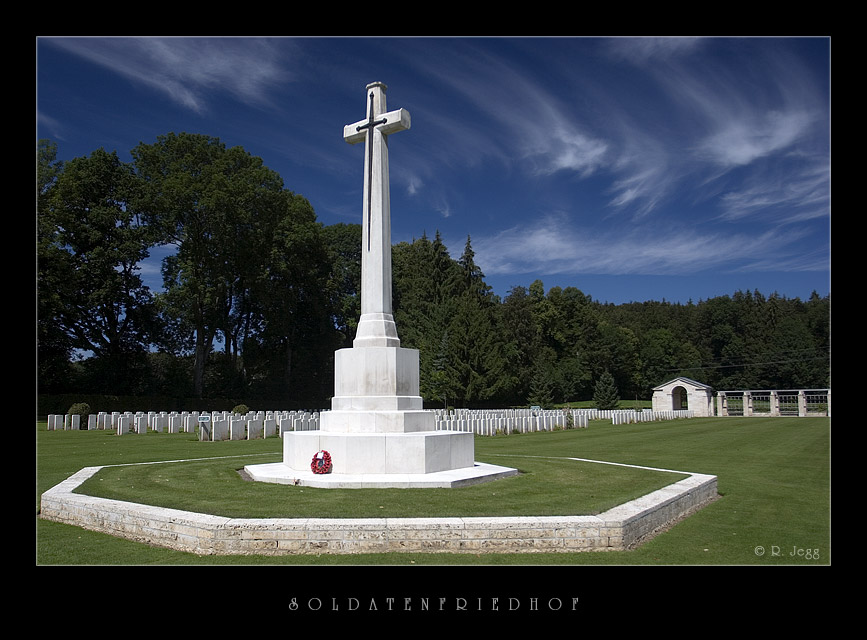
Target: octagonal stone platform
{"points": [[621, 528]]}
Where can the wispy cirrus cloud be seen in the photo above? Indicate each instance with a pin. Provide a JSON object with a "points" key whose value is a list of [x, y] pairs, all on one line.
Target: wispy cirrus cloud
{"points": [[645, 171], [188, 70], [743, 109], [763, 115], [802, 192], [561, 145], [651, 49], [742, 139], [817, 259], [413, 184], [52, 124], [555, 246], [523, 121], [704, 119]]}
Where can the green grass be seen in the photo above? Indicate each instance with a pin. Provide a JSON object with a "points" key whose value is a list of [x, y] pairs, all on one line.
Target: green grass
{"points": [[774, 481], [544, 487]]}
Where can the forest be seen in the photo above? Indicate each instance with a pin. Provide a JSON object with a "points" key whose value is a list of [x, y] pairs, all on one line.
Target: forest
{"points": [[257, 295]]}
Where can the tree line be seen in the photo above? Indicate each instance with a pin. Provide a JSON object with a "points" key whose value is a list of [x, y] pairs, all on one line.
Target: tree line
{"points": [[258, 294]]}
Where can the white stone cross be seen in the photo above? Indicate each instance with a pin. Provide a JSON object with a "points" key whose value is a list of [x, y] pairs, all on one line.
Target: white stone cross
{"points": [[376, 326]]}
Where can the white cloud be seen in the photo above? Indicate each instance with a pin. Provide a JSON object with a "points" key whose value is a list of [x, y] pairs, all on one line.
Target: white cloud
{"points": [[188, 70], [441, 205], [46, 122], [521, 119], [413, 184], [818, 259], [742, 140], [796, 194], [743, 104], [563, 147], [652, 48], [645, 171], [554, 246]]}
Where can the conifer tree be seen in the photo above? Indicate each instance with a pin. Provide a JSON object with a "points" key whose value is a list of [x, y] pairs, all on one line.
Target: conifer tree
{"points": [[442, 383], [476, 345], [541, 388], [605, 394]]}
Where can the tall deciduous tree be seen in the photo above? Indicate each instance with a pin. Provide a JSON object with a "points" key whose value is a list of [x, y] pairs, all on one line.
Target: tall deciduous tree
{"points": [[185, 200], [231, 221], [54, 346], [521, 334], [344, 246], [91, 242], [294, 306]]}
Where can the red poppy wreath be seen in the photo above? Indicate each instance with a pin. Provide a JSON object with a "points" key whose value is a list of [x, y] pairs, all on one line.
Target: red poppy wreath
{"points": [[321, 462]]}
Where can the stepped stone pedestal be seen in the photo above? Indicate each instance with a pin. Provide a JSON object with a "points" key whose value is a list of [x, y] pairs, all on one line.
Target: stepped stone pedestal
{"points": [[377, 424], [377, 433]]}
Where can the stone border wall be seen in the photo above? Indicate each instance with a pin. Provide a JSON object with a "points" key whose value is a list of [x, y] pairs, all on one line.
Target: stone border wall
{"points": [[623, 527]]}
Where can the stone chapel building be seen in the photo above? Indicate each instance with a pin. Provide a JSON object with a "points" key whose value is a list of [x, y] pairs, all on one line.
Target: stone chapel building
{"points": [[683, 393]]}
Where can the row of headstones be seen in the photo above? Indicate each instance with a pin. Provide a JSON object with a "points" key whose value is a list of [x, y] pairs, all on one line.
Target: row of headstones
{"points": [[626, 416], [492, 422], [212, 426], [260, 424]]}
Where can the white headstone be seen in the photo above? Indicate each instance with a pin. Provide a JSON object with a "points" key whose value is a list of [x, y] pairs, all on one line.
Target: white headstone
{"points": [[237, 427], [175, 423], [220, 429], [255, 428], [269, 427]]}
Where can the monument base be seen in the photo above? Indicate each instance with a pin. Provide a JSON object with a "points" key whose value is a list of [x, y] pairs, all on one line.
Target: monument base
{"points": [[427, 459], [381, 453]]}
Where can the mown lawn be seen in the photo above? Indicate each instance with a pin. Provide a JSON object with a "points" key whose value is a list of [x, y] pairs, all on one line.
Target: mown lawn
{"points": [[774, 483]]}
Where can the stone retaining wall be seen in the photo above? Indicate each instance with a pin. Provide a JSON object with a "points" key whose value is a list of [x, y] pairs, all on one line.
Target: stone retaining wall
{"points": [[621, 528]]}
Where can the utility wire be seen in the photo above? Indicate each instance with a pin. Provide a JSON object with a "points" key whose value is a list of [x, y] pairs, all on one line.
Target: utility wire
{"points": [[744, 364]]}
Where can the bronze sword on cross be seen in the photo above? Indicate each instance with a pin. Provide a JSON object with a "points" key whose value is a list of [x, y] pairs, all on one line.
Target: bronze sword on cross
{"points": [[385, 124], [376, 325], [371, 122]]}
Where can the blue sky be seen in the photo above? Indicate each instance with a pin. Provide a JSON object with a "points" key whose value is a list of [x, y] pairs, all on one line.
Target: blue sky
{"points": [[632, 168]]}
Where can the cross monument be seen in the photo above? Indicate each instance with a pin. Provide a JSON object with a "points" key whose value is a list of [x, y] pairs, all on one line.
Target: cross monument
{"points": [[376, 326], [377, 432]]}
